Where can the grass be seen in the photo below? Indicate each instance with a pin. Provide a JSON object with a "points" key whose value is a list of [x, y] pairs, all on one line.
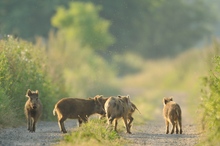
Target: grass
{"points": [[93, 133], [147, 89]]}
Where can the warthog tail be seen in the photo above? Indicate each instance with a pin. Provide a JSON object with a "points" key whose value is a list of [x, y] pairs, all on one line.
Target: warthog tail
{"points": [[138, 110], [135, 108], [54, 111]]}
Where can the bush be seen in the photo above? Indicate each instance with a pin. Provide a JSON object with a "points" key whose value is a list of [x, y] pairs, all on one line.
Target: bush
{"points": [[23, 67], [85, 72], [210, 103]]}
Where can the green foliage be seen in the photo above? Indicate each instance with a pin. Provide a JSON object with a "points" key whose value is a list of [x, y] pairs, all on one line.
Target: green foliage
{"points": [[210, 103], [23, 67], [6, 112], [151, 28], [127, 64], [93, 133], [85, 72], [157, 28], [81, 21], [26, 19]]}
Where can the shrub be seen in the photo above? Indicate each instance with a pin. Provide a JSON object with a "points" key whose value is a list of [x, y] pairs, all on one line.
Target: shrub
{"points": [[210, 103], [85, 72], [22, 67]]}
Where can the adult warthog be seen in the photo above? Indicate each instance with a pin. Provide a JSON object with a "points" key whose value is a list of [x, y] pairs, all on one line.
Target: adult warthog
{"points": [[77, 108]]}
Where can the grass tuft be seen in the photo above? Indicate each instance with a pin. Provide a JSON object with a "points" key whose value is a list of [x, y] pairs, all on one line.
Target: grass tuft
{"points": [[93, 133]]}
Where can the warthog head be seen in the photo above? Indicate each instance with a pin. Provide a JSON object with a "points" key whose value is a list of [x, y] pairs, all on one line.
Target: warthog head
{"points": [[33, 98], [126, 99], [99, 100], [166, 100]]}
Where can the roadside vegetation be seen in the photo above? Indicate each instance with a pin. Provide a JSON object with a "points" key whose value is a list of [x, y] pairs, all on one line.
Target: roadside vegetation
{"points": [[210, 100], [93, 133], [85, 49]]}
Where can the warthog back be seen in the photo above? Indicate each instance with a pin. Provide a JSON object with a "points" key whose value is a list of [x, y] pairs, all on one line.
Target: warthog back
{"points": [[118, 107], [77, 108]]}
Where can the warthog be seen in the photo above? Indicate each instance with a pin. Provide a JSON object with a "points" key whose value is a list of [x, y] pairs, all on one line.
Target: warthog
{"points": [[118, 107], [33, 109], [76, 108], [172, 115]]}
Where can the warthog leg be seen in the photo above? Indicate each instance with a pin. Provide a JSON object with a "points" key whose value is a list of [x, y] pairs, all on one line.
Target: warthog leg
{"points": [[115, 124], [61, 125], [33, 126], [126, 125], [173, 127], [130, 121], [167, 126], [177, 128], [180, 125], [29, 123]]}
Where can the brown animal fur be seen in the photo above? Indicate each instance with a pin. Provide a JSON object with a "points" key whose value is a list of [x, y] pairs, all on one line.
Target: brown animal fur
{"points": [[130, 118], [76, 108], [33, 109], [118, 107], [172, 115]]}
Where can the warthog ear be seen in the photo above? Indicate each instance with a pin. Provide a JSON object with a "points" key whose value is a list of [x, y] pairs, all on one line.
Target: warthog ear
{"points": [[96, 99], [164, 101], [171, 98], [127, 99], [28, 93], [37, 92]]}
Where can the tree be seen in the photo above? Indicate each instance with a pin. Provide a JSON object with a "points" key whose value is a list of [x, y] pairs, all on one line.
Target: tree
{"points": [[152, 28], [81, 21], [157, 28], [27, 18]]}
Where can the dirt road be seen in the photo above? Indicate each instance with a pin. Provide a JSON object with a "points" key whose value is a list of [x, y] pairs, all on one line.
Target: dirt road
{"points": [[153, 132], [150, 134], [47, 133]]}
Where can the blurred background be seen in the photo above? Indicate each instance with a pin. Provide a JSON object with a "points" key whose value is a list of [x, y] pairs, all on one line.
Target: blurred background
{"points": [[146, 48]]}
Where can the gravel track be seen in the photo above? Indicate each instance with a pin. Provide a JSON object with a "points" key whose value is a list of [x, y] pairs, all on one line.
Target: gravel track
{"points": [[153, 132], [150, 134]]}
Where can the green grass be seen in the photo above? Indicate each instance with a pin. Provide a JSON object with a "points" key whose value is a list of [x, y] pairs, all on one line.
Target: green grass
{"points": [[93, 133]]}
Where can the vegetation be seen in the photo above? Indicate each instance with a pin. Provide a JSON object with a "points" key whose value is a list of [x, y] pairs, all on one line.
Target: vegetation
{"points": [[82, 22], [23, 67], [85, 73], [93, 133], [210, 100], [150, 28], [109, 48]]}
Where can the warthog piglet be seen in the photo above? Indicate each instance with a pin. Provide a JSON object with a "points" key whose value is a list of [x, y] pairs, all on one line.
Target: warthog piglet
{"points": [[33, 109], [172, 114], [118, 107]]}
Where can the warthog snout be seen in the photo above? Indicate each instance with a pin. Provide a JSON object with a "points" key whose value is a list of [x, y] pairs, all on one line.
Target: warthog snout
{"points": [[34, 106]]}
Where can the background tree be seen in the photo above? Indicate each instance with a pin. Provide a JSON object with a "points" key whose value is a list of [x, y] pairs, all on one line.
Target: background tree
{"points": [[81, 22], [157, 28], [151, 28]]}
